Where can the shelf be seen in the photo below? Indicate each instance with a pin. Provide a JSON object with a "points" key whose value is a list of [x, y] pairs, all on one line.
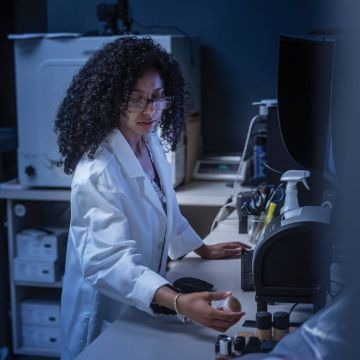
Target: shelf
{"points": [[13, 190], [39, 284], [27, 350]]}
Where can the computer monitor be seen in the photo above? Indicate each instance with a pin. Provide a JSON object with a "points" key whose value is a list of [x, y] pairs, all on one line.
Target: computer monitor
{"points": [[305, 80]]}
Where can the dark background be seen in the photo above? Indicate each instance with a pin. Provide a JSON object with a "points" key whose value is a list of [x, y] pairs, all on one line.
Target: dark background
{"points": [[239, 41], [239, 46]]}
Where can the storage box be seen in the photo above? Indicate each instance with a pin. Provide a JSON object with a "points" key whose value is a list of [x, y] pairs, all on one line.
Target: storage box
{"points": [[41, 336], [37, 270], [47, 243], [40, 312]]}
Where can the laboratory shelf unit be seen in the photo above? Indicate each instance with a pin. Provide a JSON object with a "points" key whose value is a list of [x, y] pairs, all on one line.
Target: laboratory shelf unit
{"points": [[39, 210]]}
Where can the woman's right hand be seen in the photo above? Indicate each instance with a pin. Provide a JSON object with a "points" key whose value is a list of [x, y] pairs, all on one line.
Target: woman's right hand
{"points": [[197, 307]]}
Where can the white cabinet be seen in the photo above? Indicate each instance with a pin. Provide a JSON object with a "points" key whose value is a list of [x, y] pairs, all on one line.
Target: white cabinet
{"points": [[44, 67], [37, 221]]}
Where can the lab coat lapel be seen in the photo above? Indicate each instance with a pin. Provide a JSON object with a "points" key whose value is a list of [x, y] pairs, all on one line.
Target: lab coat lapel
{"points": [[164, 171], [133, 169]]}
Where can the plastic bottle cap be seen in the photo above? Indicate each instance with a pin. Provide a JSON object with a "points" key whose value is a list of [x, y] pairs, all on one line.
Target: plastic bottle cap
{"points": [[239, 343], [263, 320], [222, 336], [281, 320], [253, 340], [267, 346]]}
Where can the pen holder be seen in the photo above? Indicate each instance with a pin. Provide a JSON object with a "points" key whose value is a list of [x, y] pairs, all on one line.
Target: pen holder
{"points": [[242, 198], [255, 224]]}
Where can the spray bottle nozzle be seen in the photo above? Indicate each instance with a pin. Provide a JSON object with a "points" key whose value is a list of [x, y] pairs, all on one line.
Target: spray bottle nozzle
{"points": [[292, 177], [296, 176], [305, 183]]}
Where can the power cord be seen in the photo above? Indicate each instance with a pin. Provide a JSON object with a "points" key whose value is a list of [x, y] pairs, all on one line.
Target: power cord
{"points": [[253, 121], [231, 204], [222, 214], [292, 308]]}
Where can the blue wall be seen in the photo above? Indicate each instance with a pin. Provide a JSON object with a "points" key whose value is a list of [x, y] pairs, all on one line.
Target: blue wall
{"points": [[239, 40]]}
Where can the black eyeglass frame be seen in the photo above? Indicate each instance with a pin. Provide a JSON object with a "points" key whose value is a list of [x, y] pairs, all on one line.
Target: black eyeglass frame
{"points": [[143, 103]]}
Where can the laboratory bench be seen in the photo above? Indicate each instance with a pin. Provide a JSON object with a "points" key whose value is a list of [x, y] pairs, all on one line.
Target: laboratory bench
{"points": [[49, 207], [196, 193], [141, 336]]}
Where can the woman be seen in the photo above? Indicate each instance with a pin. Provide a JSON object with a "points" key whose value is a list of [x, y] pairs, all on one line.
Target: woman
{"points": [[125, 220]]}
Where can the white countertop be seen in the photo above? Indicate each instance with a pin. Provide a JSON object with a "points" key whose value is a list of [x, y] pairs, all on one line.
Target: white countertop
{"points": [[141, 336], [196, 193]]}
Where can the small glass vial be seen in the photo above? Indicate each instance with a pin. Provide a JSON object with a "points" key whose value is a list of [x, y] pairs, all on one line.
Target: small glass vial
{"points": [[281, 325], [225, 349], [263, 325]]}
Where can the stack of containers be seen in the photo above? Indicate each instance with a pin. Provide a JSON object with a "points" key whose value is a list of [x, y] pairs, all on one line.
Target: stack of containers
{"points": [[40, 255], [40, 261], [40, 323]]}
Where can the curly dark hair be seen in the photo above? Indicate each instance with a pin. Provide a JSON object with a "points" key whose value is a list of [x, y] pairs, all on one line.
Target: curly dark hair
{"points": [[99, 94]]}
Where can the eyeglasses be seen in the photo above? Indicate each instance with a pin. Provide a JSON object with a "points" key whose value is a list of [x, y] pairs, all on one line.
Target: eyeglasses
{"points": [[140, 104]]}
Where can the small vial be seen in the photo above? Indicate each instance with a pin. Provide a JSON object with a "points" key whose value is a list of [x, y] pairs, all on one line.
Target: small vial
{"points": [[263, 325], [267, 346], [217, 348], [239, 345], [252, 346], [225, 349], [281, 325]]}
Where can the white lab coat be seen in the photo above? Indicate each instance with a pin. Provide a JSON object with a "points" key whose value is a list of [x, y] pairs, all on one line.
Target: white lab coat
{"points": [[116, 233]]}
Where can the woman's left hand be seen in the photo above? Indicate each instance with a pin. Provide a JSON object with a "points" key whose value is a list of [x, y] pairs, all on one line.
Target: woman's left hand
{"points": [[222, 250]]}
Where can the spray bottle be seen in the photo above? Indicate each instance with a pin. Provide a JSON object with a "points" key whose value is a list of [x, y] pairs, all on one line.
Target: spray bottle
{"points": [[292, 177]]}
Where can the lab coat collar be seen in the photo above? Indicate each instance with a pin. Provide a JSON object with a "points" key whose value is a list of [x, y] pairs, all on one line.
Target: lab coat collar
{"points": [[126, 157]]}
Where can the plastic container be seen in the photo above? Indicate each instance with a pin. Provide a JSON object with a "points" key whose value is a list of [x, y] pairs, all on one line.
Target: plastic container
{"points": [[255, 225]]}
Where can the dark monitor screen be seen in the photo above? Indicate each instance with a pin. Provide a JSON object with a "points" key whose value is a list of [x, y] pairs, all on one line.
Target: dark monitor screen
{"points": [[304, 98]]}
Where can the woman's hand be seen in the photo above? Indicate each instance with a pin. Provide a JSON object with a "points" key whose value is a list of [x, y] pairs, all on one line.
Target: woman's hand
{"points": [[222, 250], [197, 307]]}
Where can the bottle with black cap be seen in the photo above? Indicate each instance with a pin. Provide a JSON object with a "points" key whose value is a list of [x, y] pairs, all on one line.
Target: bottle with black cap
{"points": [[267, 346], [281, 325], [253, 345], [263, 325], [239, 345]]}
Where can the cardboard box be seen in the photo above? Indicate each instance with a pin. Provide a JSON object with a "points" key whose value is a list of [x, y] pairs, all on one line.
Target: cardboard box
{"points": [[40, 312], [37, 270], [40, 336], [47, 243]]}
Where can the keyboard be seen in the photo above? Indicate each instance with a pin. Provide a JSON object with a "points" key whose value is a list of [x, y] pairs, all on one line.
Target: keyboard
{"points": [[247, 279]]}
